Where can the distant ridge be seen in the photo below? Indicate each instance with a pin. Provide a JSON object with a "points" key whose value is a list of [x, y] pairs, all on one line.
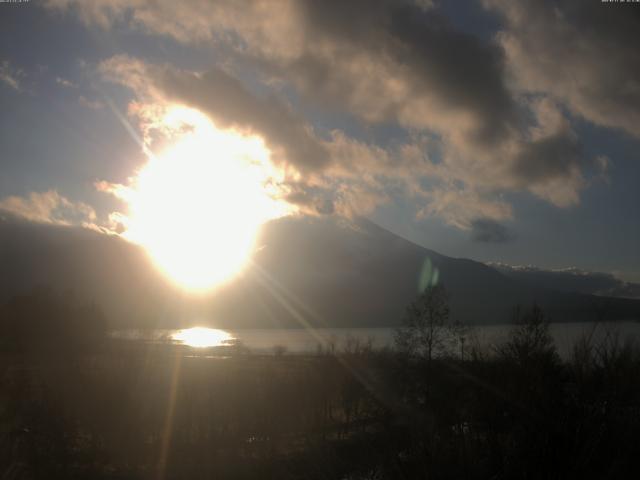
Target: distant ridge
{"points": [[324, 271]]}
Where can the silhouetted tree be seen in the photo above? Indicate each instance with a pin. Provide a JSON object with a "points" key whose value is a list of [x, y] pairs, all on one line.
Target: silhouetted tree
{"points": [[422, 333], [530, 338]]}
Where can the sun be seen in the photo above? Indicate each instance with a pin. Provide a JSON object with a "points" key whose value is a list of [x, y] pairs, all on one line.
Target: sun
{"points": [[197, 206]]}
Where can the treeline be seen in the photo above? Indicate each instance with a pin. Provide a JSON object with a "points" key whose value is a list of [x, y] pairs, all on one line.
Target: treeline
{"points": [[130, 410]]}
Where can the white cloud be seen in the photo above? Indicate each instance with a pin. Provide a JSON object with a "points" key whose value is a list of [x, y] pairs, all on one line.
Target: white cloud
{"points": [[51, 207], [11, 76], [63, 82]]}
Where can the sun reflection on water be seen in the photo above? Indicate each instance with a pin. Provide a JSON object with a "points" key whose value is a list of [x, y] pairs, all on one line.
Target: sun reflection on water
{"points": [[201, 337]]}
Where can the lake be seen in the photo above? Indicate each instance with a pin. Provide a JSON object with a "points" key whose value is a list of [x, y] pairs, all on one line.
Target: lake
{"points": [[300, 341]]}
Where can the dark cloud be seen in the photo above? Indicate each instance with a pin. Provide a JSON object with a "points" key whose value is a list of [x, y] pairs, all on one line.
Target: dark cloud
{"points": [[551, 157], [229, 104], [412, 47], [466, 71], [584, 54], [397, 62], [485, 230]]}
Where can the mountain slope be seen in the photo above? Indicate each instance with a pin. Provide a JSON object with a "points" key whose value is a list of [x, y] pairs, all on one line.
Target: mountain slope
{"points": [[323, 271]]}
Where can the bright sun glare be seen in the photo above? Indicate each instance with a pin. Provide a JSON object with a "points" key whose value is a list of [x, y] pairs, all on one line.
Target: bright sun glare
{"points": [[201, 337], [197, 206]]}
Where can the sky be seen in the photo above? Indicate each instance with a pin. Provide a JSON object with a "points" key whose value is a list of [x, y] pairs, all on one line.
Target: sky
{"points": [[494, 130]]}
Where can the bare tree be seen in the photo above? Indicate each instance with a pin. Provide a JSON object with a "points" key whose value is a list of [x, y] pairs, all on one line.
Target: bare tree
{"points": [[529, 338], [423, 331], [459, 334]]}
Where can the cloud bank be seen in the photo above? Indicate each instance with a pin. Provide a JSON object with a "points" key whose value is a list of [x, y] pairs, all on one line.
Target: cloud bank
{"points": [[49, 207], [11, 76], [482, 117]]}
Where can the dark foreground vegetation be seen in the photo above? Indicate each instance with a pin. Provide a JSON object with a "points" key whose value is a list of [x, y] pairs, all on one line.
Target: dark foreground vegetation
{"points": [[84, 406]]}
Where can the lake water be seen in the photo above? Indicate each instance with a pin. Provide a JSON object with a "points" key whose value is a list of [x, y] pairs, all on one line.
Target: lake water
{"points": [[300, 341]]}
